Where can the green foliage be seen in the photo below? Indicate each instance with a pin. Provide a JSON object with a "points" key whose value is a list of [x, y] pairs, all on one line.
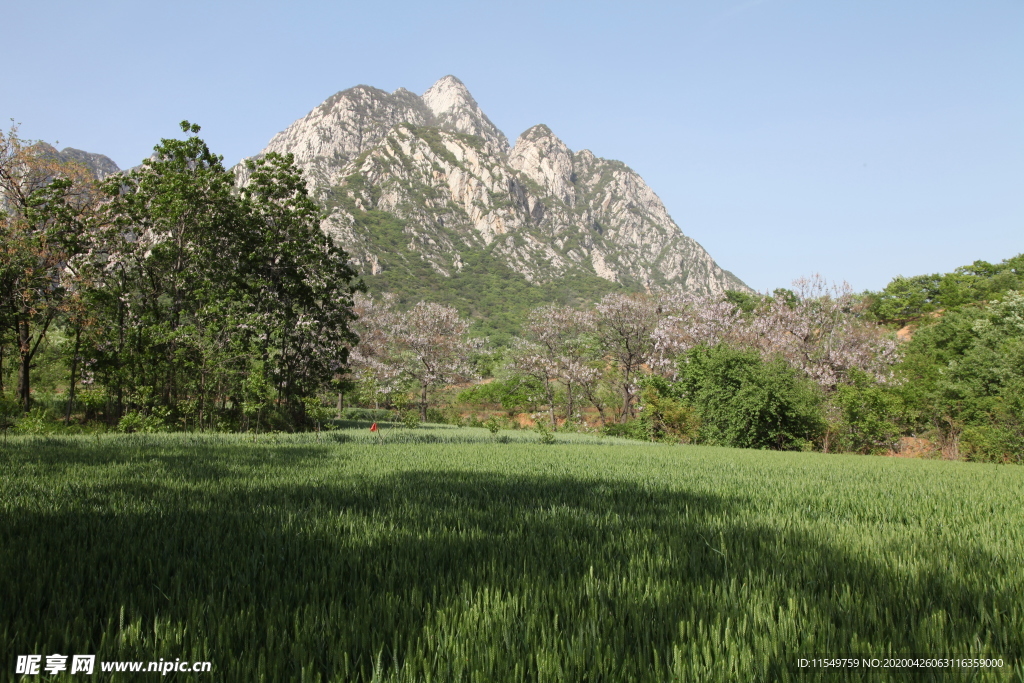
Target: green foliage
{"points": [[870, 415], [993, 442], [745, 301], [492, 425], [666, 417], [546, 436], [747, 402], [411, 419], [908, 298], [568, 562], [212, 302], [135, 421], [905, 299], [638, 429], [515, 394], [367, 415], [39, 420], [964, 376]]}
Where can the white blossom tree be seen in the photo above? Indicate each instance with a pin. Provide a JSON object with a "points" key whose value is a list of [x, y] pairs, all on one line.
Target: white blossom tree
{"points": [[816, 329], [426, 346], [625, 325]]}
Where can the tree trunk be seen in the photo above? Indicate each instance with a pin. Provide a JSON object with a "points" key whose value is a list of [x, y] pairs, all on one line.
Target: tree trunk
{"points": [[551, 403], [24, 366], [423, 404], [74, 379], [627, 403]]}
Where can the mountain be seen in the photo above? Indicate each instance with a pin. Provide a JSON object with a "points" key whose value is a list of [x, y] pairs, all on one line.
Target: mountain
{"points": [[101, 166], [426, 192]]}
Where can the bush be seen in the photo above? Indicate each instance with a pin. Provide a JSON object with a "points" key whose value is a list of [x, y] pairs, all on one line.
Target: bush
{"points": [[745, 401], [868, 415], [667, 418], [634, 429], [135, 421], [546, 435], [992, 443], [492, 425], [37, 421], [410, 419]]}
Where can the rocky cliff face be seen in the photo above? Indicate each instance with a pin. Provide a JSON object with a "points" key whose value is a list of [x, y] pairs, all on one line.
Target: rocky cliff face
{"points": [[438, 164]]}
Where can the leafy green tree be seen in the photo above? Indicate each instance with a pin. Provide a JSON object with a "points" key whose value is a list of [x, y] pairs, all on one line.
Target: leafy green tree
{"points": [[906, 298], [869, 415], [745, 401], [963, 375], [205, 285], [173, 223], [297, 282]]}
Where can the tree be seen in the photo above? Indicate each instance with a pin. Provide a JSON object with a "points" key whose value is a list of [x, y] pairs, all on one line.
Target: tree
{"points": [[205, 284], [45, 207], [174, 223], [625, 324], [746, 401], [426, 346], [560, 346], [818, 329], [298, 284]]}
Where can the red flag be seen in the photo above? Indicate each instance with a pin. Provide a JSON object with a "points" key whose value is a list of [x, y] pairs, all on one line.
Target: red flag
{"points": [[373, 427]]}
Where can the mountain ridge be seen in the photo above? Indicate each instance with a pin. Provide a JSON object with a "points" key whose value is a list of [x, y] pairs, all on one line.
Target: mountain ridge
{"points": [[453, 184]]}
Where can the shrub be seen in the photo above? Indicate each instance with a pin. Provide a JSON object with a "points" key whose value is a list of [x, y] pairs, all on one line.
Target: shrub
{"points": [[745, 401], [634, 429], [135, 421], [544, 429], [492, 425], [868, 415], [992, 443]]}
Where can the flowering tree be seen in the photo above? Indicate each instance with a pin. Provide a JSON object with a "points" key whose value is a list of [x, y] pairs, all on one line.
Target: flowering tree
{"points": [[560, 346], [374, 359], [822, 334], [426, 346], [816, 329], [625, 325]]}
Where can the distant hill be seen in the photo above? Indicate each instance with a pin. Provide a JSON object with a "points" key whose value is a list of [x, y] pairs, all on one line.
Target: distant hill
{"points": [[101, 166]]}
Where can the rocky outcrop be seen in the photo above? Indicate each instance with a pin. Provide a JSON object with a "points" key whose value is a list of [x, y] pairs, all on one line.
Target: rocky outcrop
{"points": [[438, 164], [99, 165]]}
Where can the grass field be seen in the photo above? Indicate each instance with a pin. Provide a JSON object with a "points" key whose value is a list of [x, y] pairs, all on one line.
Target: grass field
{"points": [[443, 555]]}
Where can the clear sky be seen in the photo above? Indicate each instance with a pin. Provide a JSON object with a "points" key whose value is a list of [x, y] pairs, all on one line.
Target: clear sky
{"points": [[859, 139]]}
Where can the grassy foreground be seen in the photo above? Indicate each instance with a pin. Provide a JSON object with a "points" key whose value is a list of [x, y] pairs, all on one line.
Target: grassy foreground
{"points": [[449, 557]]}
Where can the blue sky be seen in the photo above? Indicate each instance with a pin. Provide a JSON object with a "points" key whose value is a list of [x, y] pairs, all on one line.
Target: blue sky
{"points": [[859, 139]]}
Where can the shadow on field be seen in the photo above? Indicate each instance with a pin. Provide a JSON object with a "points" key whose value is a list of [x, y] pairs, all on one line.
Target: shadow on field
{"points": [[333, 576]]}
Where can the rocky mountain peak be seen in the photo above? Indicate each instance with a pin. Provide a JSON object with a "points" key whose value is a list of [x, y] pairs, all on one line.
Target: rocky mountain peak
{"points": [[455, 109], [426, 186]]}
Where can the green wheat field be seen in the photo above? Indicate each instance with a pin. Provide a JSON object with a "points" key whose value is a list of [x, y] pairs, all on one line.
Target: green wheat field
{"points": [[447, 554]]}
